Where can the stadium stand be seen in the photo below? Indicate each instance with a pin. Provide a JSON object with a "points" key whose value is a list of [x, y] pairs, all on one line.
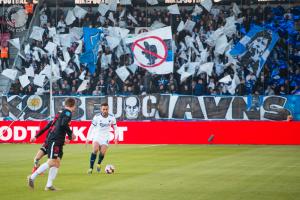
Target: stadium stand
{"points": [[280, 75]]}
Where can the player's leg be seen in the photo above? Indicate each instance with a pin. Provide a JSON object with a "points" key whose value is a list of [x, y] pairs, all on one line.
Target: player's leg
{"points": [[102, 152], [50, 163], [52, 175], [39, 155], [93, 156]]}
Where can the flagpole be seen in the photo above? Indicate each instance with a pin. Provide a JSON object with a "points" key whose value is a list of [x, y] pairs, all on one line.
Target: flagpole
{"points": [[50, 103]]}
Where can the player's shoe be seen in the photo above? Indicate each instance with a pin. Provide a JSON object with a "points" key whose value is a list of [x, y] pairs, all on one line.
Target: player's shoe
{"points": [[30, 182], [98, 168], [34, 169], [90, 171], [51, 188]]}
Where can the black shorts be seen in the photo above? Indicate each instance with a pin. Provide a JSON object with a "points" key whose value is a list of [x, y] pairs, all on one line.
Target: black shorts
{"points": [[44, 148], [54, 151]]}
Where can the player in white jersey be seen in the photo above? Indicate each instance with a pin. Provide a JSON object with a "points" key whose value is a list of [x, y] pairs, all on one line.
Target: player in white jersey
{"points": [[99, 133]]}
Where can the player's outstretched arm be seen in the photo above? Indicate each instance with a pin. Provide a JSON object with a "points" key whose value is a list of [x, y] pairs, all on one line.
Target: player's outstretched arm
{"points": [[41, 132]]}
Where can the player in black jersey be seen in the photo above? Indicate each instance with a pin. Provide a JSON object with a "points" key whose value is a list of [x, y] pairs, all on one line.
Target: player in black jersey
{"points": [[43, 150], [55, 141]]}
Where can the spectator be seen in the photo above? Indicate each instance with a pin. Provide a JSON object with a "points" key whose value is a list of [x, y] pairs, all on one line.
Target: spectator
{"points": [[4, 56]]}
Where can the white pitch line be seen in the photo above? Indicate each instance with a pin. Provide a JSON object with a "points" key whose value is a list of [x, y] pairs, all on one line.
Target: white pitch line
{"points": [[153, 145]]}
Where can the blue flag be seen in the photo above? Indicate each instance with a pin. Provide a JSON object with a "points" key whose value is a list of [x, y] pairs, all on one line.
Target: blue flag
{"points": [[254, 48], [91, 39]]}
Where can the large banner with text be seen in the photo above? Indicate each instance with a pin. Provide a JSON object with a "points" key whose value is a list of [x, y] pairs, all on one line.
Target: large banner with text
{"points": [[156, 107], [169, 132]]}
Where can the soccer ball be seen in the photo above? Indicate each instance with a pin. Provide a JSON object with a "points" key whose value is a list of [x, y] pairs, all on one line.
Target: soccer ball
{"points": [[109, 169]]}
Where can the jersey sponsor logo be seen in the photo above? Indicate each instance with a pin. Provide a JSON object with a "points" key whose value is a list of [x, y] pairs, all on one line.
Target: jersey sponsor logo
{"points": [[104, 125]]}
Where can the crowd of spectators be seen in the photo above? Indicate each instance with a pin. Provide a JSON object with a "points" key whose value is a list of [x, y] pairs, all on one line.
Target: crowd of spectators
{"points": [[280, 75]]}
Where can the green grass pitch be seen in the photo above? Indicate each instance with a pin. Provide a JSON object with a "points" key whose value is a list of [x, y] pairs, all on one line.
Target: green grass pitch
{"points": [[160, 172]]}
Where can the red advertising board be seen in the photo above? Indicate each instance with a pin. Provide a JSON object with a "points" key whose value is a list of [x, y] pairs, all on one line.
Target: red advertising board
{"points": [[171, 132]]}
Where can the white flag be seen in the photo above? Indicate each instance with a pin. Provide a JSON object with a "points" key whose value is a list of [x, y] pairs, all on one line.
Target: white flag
{"points": [[236, 9], [51, 47], [151, 52], [66, 40], [37, 33], [24, 80], [79, 47], [68, 70], [29, 71], [173, 9], [70, 18], [207, 4], [221, 44], [36, 56], [123, 73], [112, 41], [39, 91], [111, 17], [180, 26], [79, 12], [152, 2], [230, 27], [82, 75], [52, 31], [10, 73], [83, 86], [133, 68], [156, 24], [39, 80], [46, 71], [76, 60], [122, 14], [184, 76], [183, 55], [62, 64], [76, 32], [27, 49], [207, 67], [113, 5], [235, 82], [132, 19], [225, 79], [197, 10], [189, 25], [56, 39], [66, 55], [199, 43], [15, 42], [125, 2], [103, 8]]}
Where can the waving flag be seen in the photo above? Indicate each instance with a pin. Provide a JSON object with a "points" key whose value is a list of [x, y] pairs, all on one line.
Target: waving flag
{"points": [[91, 39], [254, 48], [153, 50]]}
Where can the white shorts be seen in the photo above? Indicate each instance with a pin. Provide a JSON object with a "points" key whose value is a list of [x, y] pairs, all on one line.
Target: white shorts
{"points": [[101, 140]]}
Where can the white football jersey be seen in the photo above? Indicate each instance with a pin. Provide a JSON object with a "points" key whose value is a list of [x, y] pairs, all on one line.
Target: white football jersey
{"points": [[102, 126]]}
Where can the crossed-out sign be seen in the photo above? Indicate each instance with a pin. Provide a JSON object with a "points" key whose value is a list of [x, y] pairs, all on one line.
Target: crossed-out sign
{"points": [[141, 52]]}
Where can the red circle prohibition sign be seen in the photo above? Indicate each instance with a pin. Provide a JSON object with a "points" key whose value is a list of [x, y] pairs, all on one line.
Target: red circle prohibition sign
{"points": [[163, 58]]}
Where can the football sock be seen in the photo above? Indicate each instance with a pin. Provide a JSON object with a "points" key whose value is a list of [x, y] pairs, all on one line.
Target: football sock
{"points": [[36, 162], [40, 170], [92, 160], [51, 176], [101, 157]]}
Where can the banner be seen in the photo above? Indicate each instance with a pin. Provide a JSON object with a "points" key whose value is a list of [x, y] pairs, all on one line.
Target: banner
{"points": [[157, 107], [91, 39], [153, 50], [254, 48], [170, 132]]}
